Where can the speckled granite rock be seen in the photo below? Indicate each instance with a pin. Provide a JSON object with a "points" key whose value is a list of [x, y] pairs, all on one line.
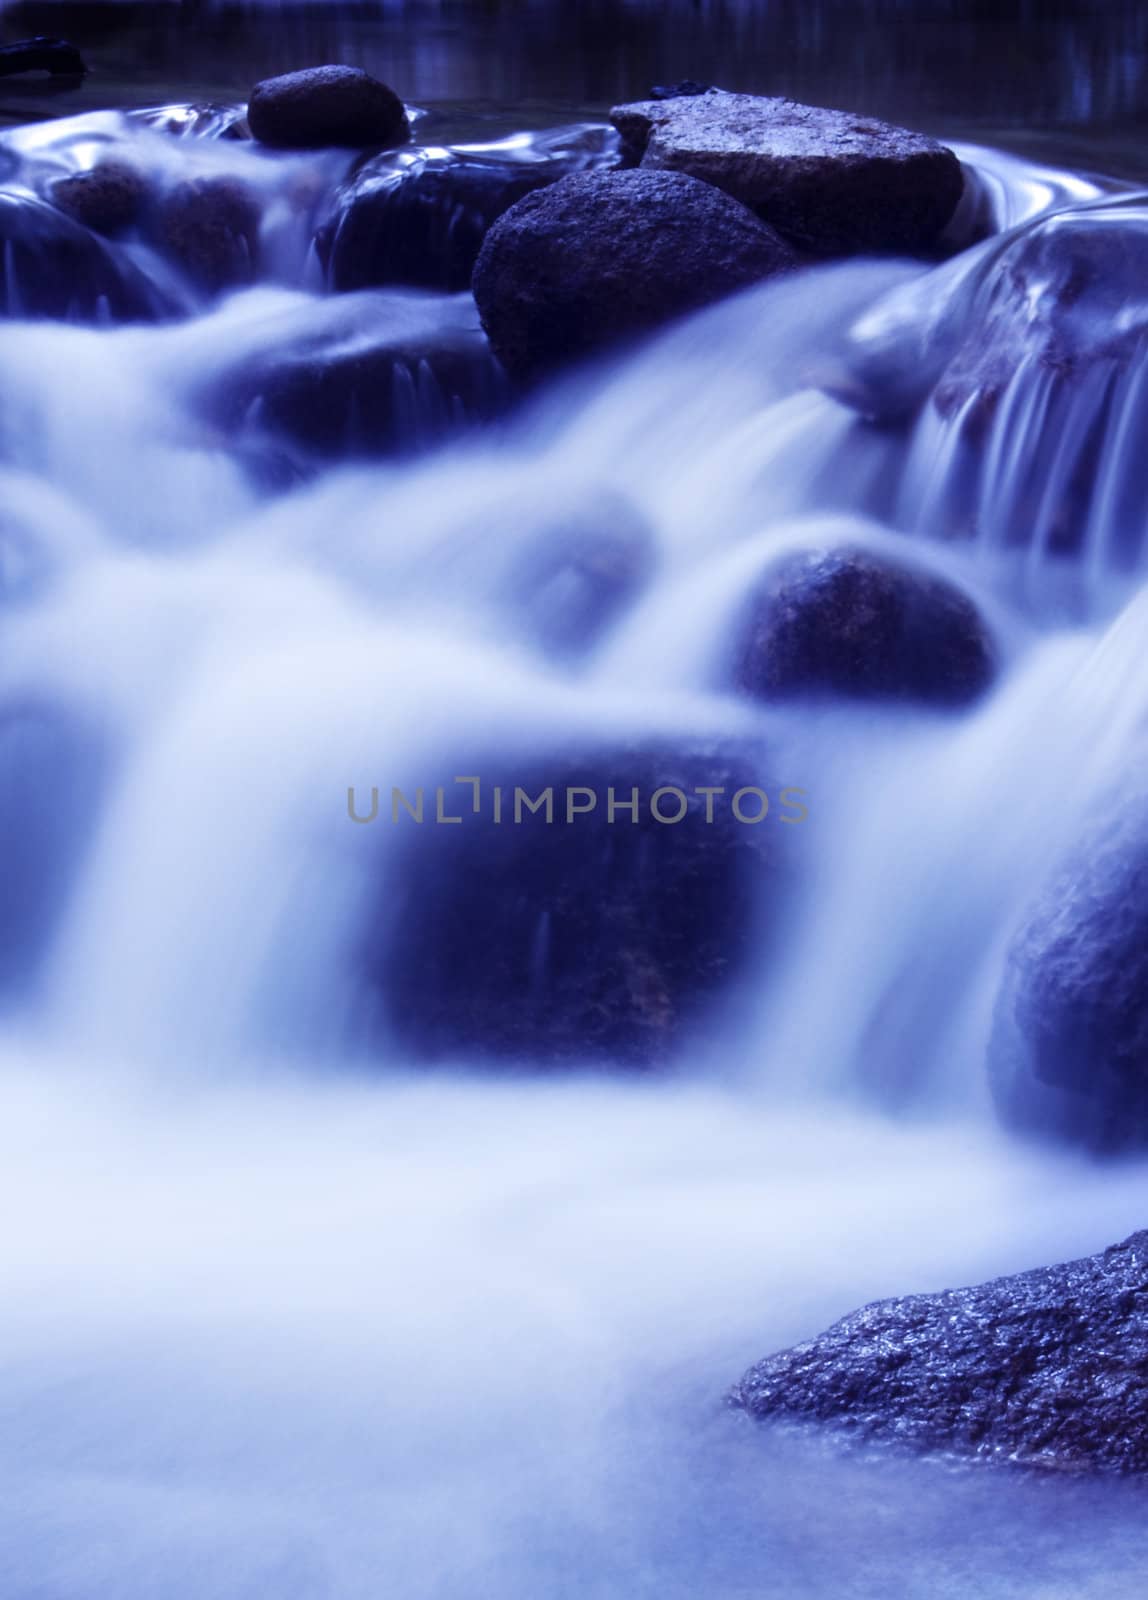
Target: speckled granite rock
{"points": [[848, 623], [1046, 1369], [834, 183], [331, 105], [605, 256]]}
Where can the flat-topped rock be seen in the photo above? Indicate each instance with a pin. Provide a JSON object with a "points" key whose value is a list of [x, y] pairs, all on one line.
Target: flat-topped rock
{"points": [[1044, 1369], [834, 183]]}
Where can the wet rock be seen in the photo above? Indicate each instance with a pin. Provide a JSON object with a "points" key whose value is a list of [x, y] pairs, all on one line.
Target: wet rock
{"points": [[1068, 1055], [1064, 296], [210, 228], [605, 256], [107, 198], [323, 106], [50, 266], [832, 182], [54, 56], [849, 623], [372, 375], [1045, 1369], [557, 943], [420, 219], [1047, 373], [582, 572]]}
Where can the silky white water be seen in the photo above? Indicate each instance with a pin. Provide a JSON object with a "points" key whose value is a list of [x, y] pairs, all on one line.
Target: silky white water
{"points": [[288, 1314]]}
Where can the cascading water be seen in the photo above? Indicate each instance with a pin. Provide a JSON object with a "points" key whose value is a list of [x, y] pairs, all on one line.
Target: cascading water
{"points": [[288, 1312]]}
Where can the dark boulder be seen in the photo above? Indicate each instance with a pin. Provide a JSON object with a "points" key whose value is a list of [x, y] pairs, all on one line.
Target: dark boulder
{"points": [[323, 106], [848, 623], [366, 375], [54, 56], [605, 256], [50, 266], [108, 197], [210, 228], [581, 572], [554, 943], [420, 218], [832, 182], [1065, 296], [1042, 1370], [1068, 1054], [1049, 371]]}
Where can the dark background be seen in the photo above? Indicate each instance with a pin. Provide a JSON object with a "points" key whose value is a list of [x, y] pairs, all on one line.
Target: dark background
{"points": [[1077, 69]]}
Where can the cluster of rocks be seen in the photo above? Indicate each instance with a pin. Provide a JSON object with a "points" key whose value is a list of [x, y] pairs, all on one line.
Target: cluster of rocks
{"points": [[688, 198]]}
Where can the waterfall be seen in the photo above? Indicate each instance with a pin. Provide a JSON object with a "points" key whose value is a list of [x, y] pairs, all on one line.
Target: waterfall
{"points": [[290, 1297]]}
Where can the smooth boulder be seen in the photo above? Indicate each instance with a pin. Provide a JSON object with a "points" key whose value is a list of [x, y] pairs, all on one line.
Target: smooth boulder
{"points": [[210, 228], [849, 623], [109, 197], [1041, 1370], [52, 267], [373, 374], [606, 256], [326, 106], [1068, 1054], [419, 218], [581, 572], [550, 943], [832, 182]]}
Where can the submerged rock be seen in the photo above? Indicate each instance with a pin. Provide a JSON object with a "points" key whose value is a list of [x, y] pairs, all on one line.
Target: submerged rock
{"points": [[850, 623], [832, 182], [585, 568], [1045, 1369], [210, 228], [50, 266], [1063, 296], [552, 943], [420, 218], [323, 106], [1069, 1049], [605, 256], [108, 197], [370, 374]]}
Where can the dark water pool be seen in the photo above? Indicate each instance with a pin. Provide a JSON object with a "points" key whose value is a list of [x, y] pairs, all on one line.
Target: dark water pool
{"points": [[1074, 69]]}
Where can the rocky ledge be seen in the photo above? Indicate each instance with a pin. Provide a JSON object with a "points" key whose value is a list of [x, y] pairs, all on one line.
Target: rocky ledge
{"points": [[832, 182], [1047, 1369]]}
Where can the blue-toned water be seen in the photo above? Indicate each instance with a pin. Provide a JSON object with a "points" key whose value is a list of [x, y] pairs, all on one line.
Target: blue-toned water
{"points": [[287, 1314]]}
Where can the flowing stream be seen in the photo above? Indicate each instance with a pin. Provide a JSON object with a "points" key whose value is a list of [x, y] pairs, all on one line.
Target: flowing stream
{"points": [[287, 1313]]}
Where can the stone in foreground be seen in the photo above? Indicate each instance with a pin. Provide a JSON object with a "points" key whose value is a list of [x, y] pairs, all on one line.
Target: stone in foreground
{"points": [[850, 624], [1048, 1369], [605, 256], [831, 182], [1068, 1055], [324, 106], [550, 944]]}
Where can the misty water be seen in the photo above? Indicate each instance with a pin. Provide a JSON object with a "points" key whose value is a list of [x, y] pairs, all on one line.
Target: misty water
{"points": [[289, 1313]]}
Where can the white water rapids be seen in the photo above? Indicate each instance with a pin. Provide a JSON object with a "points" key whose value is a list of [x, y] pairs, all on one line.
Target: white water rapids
{"points": [[288, 1316]]}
